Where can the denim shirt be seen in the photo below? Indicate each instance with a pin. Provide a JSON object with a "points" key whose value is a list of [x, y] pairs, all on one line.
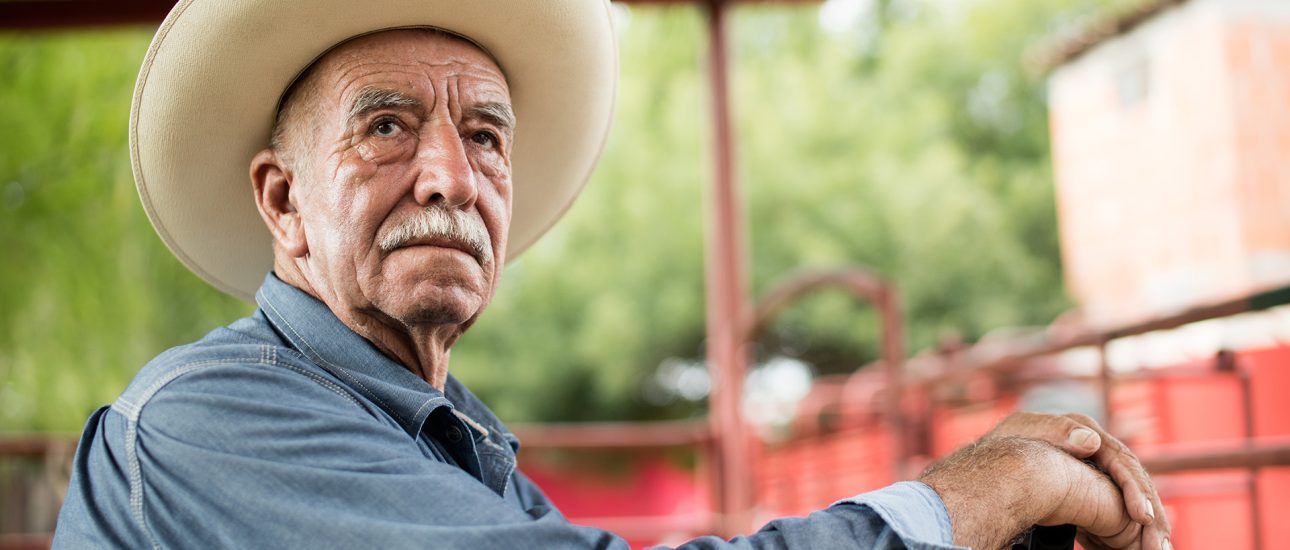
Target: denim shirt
{"points": [[288, 430]]}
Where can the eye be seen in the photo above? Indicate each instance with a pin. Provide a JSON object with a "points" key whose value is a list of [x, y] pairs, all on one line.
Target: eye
{"points": [[486, 139], [385, 127]]}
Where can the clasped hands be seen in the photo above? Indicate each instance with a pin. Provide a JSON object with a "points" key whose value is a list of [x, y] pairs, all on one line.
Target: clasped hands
{"points": [[1032, 470]]}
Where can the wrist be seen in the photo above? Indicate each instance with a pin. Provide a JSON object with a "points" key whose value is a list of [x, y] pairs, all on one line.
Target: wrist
{"points": [[992, 490]]}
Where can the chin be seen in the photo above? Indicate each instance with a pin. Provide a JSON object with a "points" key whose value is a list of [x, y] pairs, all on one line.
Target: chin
{"points": [[438, 305], [416, 291], [426, 317]]}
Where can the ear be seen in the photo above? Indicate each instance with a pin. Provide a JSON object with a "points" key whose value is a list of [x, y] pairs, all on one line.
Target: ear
{"points": [[272, 181]]}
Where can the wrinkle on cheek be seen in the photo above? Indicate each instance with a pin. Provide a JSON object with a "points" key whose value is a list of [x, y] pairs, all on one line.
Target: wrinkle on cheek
{"points": [[353, 170], [494, 168], [354, 159], [352, 144], [348, 171], [367, 151]]}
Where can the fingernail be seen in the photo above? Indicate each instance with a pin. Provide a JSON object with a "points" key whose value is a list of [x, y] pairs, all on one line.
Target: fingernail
{"points": [[1165, 545], [1151, 511], [1079, 436]]}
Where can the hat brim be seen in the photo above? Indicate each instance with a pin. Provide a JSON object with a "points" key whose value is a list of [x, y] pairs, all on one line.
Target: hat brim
{"points": [[210, 83]]}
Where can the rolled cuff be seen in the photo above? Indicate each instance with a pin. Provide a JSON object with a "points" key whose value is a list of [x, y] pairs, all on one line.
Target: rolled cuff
{"points": [[914, 512]]}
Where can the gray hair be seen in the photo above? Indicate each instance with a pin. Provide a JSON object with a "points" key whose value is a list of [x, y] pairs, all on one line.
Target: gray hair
{"points": [[442, 223]]}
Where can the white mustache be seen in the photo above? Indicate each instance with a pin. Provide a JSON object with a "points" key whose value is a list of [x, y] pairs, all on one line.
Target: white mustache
{"points": [[442, 223]]}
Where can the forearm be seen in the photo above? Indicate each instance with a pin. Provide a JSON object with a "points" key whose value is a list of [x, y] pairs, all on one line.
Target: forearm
{"points": [[986, 513]]}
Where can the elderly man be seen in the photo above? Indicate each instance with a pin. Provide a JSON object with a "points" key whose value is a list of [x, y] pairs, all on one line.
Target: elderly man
{"points": [[384, 179]]}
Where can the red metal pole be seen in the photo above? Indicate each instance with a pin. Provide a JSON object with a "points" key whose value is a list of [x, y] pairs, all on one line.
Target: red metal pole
{"points": [[726, 298], [1247, 413], [893, 357], [1259, 453], [1106, 381]]}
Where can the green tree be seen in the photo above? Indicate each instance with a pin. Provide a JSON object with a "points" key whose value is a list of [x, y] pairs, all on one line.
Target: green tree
{"points": [[87, 292], [912, 142]]}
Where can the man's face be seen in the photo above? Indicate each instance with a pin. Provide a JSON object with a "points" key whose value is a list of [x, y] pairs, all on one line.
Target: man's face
{"points": [[391, 127]]}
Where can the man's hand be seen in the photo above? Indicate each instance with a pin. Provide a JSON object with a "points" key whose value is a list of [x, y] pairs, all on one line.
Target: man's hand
{"points": [[1084, 438], [998, 487]]}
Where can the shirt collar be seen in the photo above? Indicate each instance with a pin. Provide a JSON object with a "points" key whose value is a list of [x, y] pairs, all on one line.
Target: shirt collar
{"points": [[313, 330]]}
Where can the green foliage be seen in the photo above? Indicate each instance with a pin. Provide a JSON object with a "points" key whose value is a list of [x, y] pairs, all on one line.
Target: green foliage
{"points": [[923, 155], [87, 292], [917, 146]]}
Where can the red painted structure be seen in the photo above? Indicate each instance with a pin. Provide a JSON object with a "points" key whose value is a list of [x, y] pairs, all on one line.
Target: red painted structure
{"points": [[1215, 434]]}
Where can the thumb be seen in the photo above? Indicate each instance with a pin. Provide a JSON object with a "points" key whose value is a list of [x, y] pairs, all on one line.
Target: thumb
{"points": [[1063, 432], [1081, 442]]}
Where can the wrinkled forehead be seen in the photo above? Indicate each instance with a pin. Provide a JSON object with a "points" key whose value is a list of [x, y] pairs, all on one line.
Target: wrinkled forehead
{"points": [[440, 45]]}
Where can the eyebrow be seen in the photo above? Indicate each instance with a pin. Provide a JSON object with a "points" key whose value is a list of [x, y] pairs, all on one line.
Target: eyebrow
{"points": [[375, 99], [497, 113]]}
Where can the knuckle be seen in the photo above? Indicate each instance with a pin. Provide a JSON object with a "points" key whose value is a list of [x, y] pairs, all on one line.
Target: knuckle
{"points": [[1082, 419], [1013, 424], [1016, 417]]}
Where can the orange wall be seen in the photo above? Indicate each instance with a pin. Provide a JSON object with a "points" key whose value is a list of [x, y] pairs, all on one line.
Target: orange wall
{"points": [[1171, 151]]}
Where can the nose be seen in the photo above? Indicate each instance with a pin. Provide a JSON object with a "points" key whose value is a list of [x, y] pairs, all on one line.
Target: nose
{"points": [[446, 177]]}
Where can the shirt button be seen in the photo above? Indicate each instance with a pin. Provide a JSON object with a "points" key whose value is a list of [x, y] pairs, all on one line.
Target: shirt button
{"points": [[453, 434]]}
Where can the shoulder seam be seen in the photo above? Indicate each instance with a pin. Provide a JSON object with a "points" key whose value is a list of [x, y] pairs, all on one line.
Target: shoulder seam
{"points": [[268, 358], [132, 410]]}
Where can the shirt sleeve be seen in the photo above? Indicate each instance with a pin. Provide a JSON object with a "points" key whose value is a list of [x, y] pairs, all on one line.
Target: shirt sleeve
{"points": [[907, 515], [913, 512], [259, 456]]}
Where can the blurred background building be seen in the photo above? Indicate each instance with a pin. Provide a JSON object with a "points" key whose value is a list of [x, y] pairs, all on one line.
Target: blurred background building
{"points": [[1170, 133]]}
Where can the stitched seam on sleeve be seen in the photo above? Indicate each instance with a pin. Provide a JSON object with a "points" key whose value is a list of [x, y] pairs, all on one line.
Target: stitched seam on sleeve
{"points": [[125, 407], [136, 481], [132, 411]]}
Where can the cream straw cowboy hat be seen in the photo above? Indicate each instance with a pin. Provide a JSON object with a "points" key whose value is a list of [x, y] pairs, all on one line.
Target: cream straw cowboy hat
{"points": [[211, 81]]}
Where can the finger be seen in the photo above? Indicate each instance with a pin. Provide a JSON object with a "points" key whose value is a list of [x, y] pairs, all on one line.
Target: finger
{"points": [[1136, 485], [1158, 533], [1088, 542], [1092, 502], [1063, 432], [1126, 472], [1155, 538], [1115, 458], [1128, 539], [1091, 542]]}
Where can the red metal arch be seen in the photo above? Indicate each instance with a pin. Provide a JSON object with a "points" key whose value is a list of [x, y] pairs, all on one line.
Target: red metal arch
{"points": [[863, 284]]}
